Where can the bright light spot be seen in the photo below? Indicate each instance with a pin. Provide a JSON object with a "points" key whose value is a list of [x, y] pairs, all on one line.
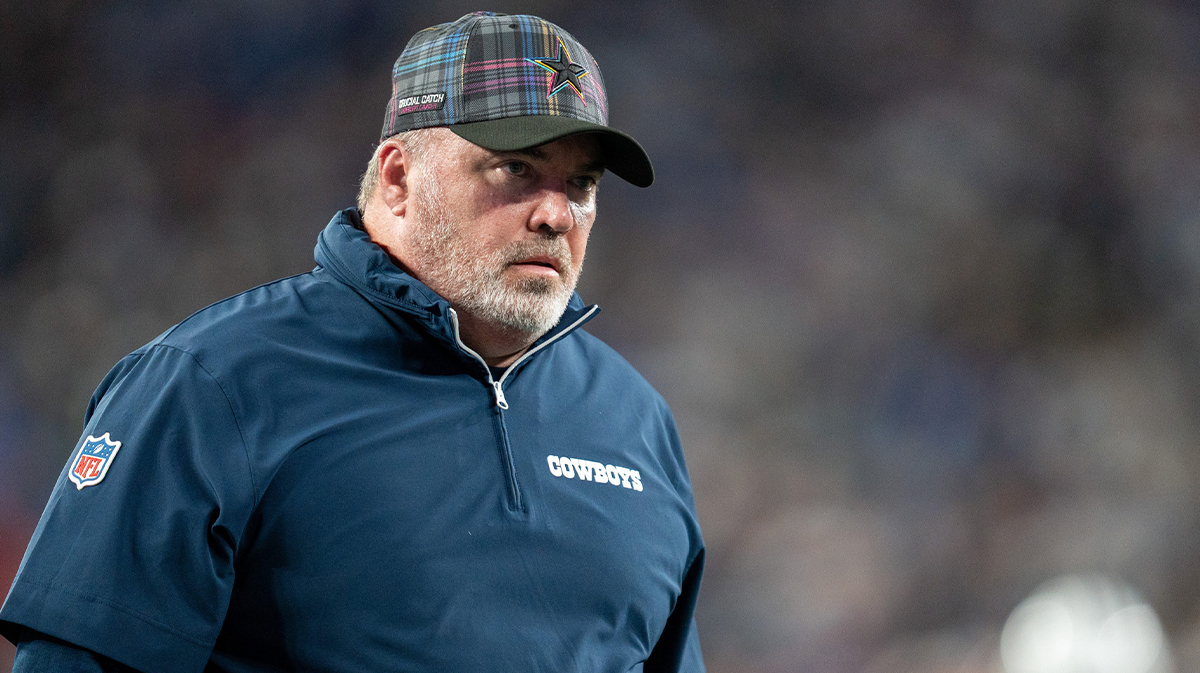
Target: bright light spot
{"points": [[1038, 636], [1129, 640], [1084, 625]]}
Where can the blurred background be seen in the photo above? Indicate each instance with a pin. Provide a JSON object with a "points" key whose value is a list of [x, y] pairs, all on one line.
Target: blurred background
{"points": [[920, 279]]}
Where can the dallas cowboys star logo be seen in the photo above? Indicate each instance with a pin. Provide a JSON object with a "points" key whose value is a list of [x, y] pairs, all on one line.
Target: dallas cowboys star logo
{"points": [[566, 73]]}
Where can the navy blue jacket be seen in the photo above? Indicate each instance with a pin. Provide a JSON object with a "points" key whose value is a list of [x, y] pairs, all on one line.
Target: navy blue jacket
{"points": [[317, 474]]}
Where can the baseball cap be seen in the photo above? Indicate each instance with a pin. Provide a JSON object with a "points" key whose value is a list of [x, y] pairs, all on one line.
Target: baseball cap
{"points": [[508, 82]]}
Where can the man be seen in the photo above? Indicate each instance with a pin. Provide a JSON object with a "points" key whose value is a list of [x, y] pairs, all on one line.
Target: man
{"points": [[410, 458]]}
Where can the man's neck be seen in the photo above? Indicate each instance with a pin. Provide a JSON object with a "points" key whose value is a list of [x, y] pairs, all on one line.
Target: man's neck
{"points": [[498, 346]]}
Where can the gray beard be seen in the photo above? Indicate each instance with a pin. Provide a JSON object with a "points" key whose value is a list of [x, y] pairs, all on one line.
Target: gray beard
{"points": [[472, 279]]}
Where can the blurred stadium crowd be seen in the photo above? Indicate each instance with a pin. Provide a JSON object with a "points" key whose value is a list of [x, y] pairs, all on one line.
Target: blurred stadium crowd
{"points": [[920, 279]]}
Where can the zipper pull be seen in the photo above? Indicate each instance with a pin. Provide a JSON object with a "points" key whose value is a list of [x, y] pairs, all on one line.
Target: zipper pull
{"points": [[500, 401]]}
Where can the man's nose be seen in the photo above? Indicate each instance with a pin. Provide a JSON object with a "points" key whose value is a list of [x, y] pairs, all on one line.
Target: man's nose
{"points": [[553, 211]]}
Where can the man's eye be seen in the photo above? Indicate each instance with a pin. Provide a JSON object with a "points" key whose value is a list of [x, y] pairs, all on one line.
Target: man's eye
{"points": [[586, 182], [516, 168]]}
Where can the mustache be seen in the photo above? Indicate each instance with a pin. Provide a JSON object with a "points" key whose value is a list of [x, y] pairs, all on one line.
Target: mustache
{"points": [[549, 247]]}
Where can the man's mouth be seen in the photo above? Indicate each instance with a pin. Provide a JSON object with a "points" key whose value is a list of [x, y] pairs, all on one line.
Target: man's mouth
{"points": [[541, 261]]}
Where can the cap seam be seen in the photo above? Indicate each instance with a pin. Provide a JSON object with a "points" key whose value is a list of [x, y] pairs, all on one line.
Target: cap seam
{"points": [[459, 81]]}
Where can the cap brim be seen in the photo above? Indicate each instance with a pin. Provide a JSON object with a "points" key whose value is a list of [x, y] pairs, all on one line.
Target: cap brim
{"points": [[622, 154]]}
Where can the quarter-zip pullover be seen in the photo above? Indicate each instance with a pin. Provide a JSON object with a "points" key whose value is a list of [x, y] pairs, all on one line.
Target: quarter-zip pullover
{"points": [[317, 474]]}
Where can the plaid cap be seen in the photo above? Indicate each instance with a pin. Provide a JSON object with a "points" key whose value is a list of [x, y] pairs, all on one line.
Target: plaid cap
{"points": [[507, 83]]}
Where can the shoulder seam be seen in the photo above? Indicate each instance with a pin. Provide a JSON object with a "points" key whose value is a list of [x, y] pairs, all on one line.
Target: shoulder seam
{"points": [[222, 301], [134, 358], [232, 411]]}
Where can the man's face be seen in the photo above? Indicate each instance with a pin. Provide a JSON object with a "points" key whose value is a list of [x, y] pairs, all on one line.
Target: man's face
{"points": [[502, 235]]}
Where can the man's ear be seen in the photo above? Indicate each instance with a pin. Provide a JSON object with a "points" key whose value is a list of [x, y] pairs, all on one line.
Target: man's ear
{"points": [[395, 166]]}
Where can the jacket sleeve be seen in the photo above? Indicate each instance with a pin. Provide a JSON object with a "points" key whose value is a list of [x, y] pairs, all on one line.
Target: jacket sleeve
{"points": [[38, 653], [133, 556], [678, 649]]}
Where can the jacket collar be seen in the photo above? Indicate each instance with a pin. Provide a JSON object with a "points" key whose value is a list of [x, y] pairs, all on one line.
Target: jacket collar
{"points": [[347, 252]]}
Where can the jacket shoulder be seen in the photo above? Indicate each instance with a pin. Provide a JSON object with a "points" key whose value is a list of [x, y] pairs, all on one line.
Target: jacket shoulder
{"points": [[267, 311], [610, 364]]}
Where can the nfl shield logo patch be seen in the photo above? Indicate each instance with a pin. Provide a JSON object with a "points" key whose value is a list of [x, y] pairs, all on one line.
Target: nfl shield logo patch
{"points": [[90, 466]]}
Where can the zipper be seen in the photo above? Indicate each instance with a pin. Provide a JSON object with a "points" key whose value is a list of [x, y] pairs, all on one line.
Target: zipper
{"points": [[498, 386], [514, 491], [508, 370], [500, 401], [499, 392]]}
